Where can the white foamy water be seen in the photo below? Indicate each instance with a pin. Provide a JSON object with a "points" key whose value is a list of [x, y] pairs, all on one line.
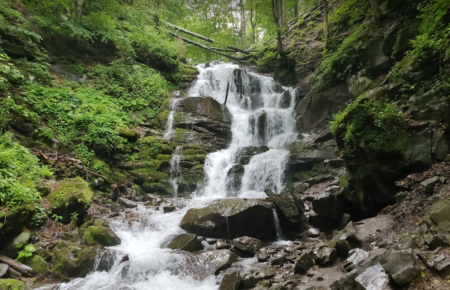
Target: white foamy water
{"points": [[263, 115]]}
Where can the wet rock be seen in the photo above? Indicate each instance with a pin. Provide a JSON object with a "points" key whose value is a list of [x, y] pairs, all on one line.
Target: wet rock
{"points": [[400, 266], [106, 260], [14, 247], [4, 271], [325, 256], [262, 255], [126, 203], [219, 260], [222, 244], [373, 278], [289, 207], [186, 242], [98, 232], [38, 264], [169, 208], [231, 281], [285, 100], [206, 113], [357, 256], [247, 245], [279, 259], [303, 263], [313, 232], [71, 260], [116, 208], [428, 185], [232, 218]]}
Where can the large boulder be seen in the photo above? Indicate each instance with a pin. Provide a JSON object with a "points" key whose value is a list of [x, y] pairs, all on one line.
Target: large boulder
{"points": [[232, 218], [231, 281], [373, 278], [218, 260], [186, 242], [96, 232], [400, 266], [70, 196], [38, 264], [303, 263], [206, 113], [71, 260], [290, 208]]}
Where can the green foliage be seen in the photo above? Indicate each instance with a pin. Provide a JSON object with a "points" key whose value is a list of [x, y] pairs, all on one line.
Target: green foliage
{"points": [[135, 87], [9, 74], [370, 125], [26, 253], [79, 115], [20, 173], [349, 13]]}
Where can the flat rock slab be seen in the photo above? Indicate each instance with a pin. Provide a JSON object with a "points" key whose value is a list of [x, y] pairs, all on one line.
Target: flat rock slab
{"points": [[373, 278], [186, 242], [218, 260]]}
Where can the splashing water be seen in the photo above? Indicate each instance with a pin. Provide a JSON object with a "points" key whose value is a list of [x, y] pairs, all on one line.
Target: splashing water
{"points": [[175, 169], [263, 115], [169, 126]]}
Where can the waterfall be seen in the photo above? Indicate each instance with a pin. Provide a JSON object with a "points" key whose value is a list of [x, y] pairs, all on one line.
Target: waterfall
{"points": [[169, 126], [175, 169], [263, 115], [276, 220]]}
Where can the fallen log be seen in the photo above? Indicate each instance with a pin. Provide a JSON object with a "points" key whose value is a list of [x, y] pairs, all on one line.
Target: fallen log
{"points": [[19, 267], [78, 166], [15, 274], [190, 33], [204, 47]]}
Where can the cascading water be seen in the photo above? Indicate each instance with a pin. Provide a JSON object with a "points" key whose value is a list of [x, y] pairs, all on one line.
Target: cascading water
{"points": [[263, 115], [175, 170]]}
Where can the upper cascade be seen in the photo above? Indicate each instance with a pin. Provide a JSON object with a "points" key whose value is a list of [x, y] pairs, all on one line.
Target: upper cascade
{"points": [[263, 116]]}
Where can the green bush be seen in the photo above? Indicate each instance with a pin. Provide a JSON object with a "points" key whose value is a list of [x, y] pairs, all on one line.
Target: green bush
{"points": [[20, 173], [370, 125]]}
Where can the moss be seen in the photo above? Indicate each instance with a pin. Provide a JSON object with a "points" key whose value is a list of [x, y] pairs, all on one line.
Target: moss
{"points": [[148, 174], [127, 133], [71, 195], [98, 232], [199, 167], [12, 284], [64, 264], [86, 260], [38, 264], [101, 167]]}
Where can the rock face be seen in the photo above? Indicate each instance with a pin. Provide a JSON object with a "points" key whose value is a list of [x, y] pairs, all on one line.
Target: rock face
{"points": [[290, 208], [71, 195], [14, 221], [219, 260], [98, 232], [186, 242], [232, 218], [206, 113]]}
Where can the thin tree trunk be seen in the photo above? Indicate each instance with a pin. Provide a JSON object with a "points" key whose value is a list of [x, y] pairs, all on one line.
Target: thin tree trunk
{"points": [[253, 23], [326, 31], [296, 13], [283, 16], [376, 10], [243, 25]]}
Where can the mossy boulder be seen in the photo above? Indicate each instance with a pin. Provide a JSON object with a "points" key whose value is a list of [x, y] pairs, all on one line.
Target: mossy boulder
{"points": [[38, 264], [186, 242], [98, 232], [71, 260], [14, 220], [128, 134], [12, 284], [71, 195]]}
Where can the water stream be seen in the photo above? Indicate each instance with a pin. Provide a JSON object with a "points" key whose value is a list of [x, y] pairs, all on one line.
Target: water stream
{"points": [[263, 115]]}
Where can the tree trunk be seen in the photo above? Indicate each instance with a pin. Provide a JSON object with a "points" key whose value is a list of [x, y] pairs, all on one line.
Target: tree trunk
{"points": [[326, 28], [283, 23], [276, 10], [243, 25], [253, 23], [376, 10], [296, 13]]}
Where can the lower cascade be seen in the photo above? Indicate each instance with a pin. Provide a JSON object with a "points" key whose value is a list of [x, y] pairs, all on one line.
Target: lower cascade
{"points": [[262, 125]]}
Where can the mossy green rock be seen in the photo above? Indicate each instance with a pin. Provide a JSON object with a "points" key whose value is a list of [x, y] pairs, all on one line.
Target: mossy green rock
{"points": [[71, 195], [129, 134], [98, 232], [186, 242], [12, 284], [38, 264], [71, 260]]}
